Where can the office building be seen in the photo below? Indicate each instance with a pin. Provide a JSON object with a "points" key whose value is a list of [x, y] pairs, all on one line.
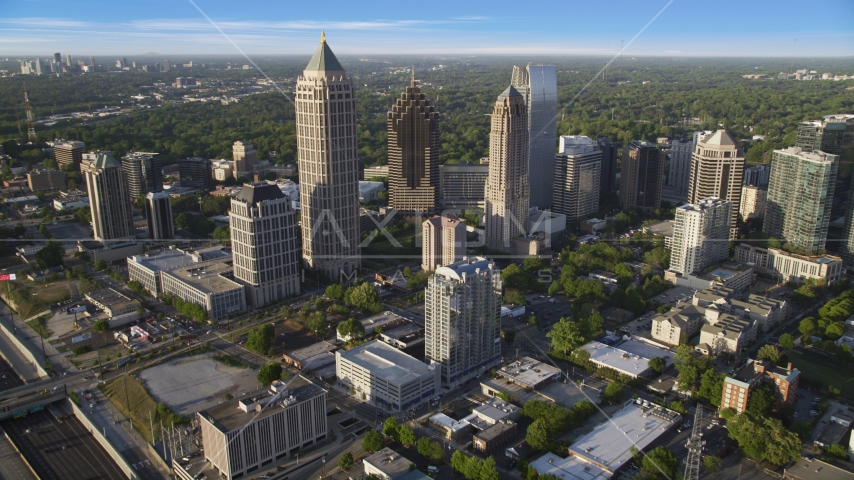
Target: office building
{"points": [[38, 66], [143, 173], [610, 152], [67, 60], [462, 319], [244, 156], [209, 284], [68, 153], [822, 135], [195, 172], [847, 244], [328, 165], [716, 171], [507, 186], [443, 241], [641, 177], [463, 185], [577, 177], [112, 302], [630, 359], [752, 202], [146, 269], [700, 235], [739, 386], [680, 168], [46, 181], [375, 171], [757, 175], [264, 243], [537, 85], [800, 197], [791, 267], [242, 435], [386, 464], [386, 376], [413, 152], [112, 217], [158, 212]]}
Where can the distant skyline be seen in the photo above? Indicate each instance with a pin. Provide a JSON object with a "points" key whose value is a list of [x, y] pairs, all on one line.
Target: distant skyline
{"points": [[727, 28]]}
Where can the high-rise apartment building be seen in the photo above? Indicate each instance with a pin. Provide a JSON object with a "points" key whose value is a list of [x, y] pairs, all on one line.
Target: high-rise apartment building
{"points": [[610, 151], [112, 217], [38, 66], [67, 60], [463, 185], [166, 66], [847, 245], [680, 167], [244, 156], [57, 58], [752, 202], [641, 177], [143, 173], [68, 153], [507, 187], [443, 241], [716, 171], [577, 177], [158, 212], [92, 61], [757, 175], [195, 172], [328, 165], [822, 135], [700, 235], [462, 319], [264, 243], [538, 86], [800, 196], [413, 152]]}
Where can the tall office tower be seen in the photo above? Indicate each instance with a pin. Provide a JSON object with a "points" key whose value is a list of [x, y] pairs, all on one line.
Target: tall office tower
{"points": [[641, 177], [609, 149], [112, 218], [195, 172], [716, 171], [700, 235], [264, 243], [68, 153], [38, 65], [462, 319], [57, 58], [143, 173], [847, 250], [822, 135], [413, 152], [92, 61], [328, 165], [507, 189], [538, 86], [158, 212], [757, 175], [67, 60], [577, 177], [800, 196], [443, 241], [166, 66], [244, 156], [124, 62], [461, 185], [680, 167]]}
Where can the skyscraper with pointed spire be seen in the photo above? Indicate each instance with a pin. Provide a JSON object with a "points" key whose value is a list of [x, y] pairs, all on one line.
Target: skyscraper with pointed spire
{"points": [[717, 170], [328, 165], [507, 189], [413, 152]]}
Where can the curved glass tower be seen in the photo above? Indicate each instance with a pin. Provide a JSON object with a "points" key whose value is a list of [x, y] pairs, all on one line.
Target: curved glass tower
{"points": [[538, 85]]}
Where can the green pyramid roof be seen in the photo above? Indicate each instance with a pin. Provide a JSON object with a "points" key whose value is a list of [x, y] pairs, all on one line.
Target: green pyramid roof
{"points": [[509, 92], [323, 58], [104, 160]]}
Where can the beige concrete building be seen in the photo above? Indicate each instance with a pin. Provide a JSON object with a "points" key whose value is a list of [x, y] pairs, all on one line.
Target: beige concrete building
{"points": [[752, 202], [791, 267], [725, 333], [46, 181], [109, 201], [716, 171], [641, 177], [443, 241], [507, 187], [700, 235], [328, 166], [244, 156], [68, 153], [208, 284], [683, 319], [112, 302]]}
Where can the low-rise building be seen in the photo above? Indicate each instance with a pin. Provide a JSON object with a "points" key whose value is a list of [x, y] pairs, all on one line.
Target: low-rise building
{"points": [[593, 226], [113, 252], [46, 181], [550, 224], [765, 311], [529, 373], [815, 469], [739, 385], [375, 171], [454, 430], [493, 437], [386, 464], [496, 410], [630, 359], [112, 302], [313, 358], [70, 203], [791, 267], [404, 337], [683, 319], [209, 284], [663, 228], [369, 191], [736, 276], [383, 321], [834, 431], [726, 333]]}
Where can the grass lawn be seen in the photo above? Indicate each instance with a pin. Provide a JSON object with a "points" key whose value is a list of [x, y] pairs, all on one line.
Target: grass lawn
{"points": [[40, 326], [824, 373], [30, 299], [141, 402], [381, 249]]}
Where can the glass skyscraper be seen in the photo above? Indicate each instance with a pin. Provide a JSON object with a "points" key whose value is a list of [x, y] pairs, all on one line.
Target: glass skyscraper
{"points": [[538, 85]]}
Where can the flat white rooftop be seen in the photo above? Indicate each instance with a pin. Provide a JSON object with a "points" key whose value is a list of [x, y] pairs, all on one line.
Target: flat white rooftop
{"points": [[450, 423], [386, 362], [528, 371], [630, 358], [569, 468]]}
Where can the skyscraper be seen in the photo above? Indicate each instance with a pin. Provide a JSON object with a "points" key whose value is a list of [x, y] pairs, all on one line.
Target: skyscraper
{"points": [[92, 62], [158, 212], [577, 174], [609, 150], [716, 171], [680, 167], [109, 201], [57, 58], [822, 135], [413, 152], [462, 319], [67, 60], [38, 65], [195, 172], [700, 235], [538, 86], [641, 177], [328, 165], [443, 241], [264, 243], [68, 153], [244, 158], [800, 196], [847, 246], [143, 173], [507, 188]]}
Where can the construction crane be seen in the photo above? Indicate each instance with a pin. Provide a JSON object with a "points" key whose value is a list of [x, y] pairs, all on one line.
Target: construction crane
{"points": [[695, 447], [31, 130]]}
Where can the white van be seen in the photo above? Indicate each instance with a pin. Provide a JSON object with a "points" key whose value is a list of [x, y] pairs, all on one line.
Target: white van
{"points": [[432, 470]]}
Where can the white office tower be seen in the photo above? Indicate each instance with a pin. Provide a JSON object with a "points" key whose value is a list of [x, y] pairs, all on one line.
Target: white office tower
{"points": [[443, 241], [328, 166], [462, 319], [680, 167], [264, 243], [538, 86], [577, 177], [158, 211], [700, 235], [507, 188], [112, 217]]}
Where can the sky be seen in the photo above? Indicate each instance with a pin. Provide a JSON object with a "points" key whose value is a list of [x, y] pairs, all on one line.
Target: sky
{"points": [[720, 28]]}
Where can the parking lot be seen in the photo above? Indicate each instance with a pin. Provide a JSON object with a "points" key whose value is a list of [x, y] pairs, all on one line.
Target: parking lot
{"points": [[547, 310]]}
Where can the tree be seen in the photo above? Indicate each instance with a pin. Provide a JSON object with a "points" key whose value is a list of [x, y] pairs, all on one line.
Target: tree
{"points": [[658, 364], [769, 352], [660, 463], [837, 450], [364, 297], [761, 402], [514, 297], [458, 461], [711, 464], [807, 326], [430, 449], [538, 436], [317, 324], [334, 292], [835, 330], [514, 277], [269, 373], [390, 427], [764, 439], [532, 265], [101, 326], [613, 393], [711, 386], [259, 339], [405, 435], [373, 441], [786, 341], [222, 233], [50, 255], [100, 265], [566, 335], [488, 470], [687, 378], [351, 328], [346, 461]]}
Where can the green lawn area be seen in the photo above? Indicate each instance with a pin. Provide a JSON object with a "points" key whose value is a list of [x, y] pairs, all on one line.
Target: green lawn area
{"points": [[30, 299], [380, 248], [825, 373], [40, 326]]}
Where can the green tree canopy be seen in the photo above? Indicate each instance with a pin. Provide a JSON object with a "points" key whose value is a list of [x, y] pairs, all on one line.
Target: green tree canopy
{"points": [[269, 373], [259, 339], [50, 255], [660, 464], [373, 441]]}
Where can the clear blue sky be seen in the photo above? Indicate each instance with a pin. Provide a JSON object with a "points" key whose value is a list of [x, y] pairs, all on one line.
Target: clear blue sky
{"points": [[686, 27]]}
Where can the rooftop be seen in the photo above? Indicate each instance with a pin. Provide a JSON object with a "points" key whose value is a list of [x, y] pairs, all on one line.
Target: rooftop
{"points": [[209, 277], [386, 362], [528, 371], [404, 332], [569, 468], [389, 462], [466, 266], [496, 409], [631, 358], [449, 423], [109, 298], [664, 227], [383, 320], [728, 326], [258, 192], [323, 58], [495, 431], [817, 470], [312, 350]]}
